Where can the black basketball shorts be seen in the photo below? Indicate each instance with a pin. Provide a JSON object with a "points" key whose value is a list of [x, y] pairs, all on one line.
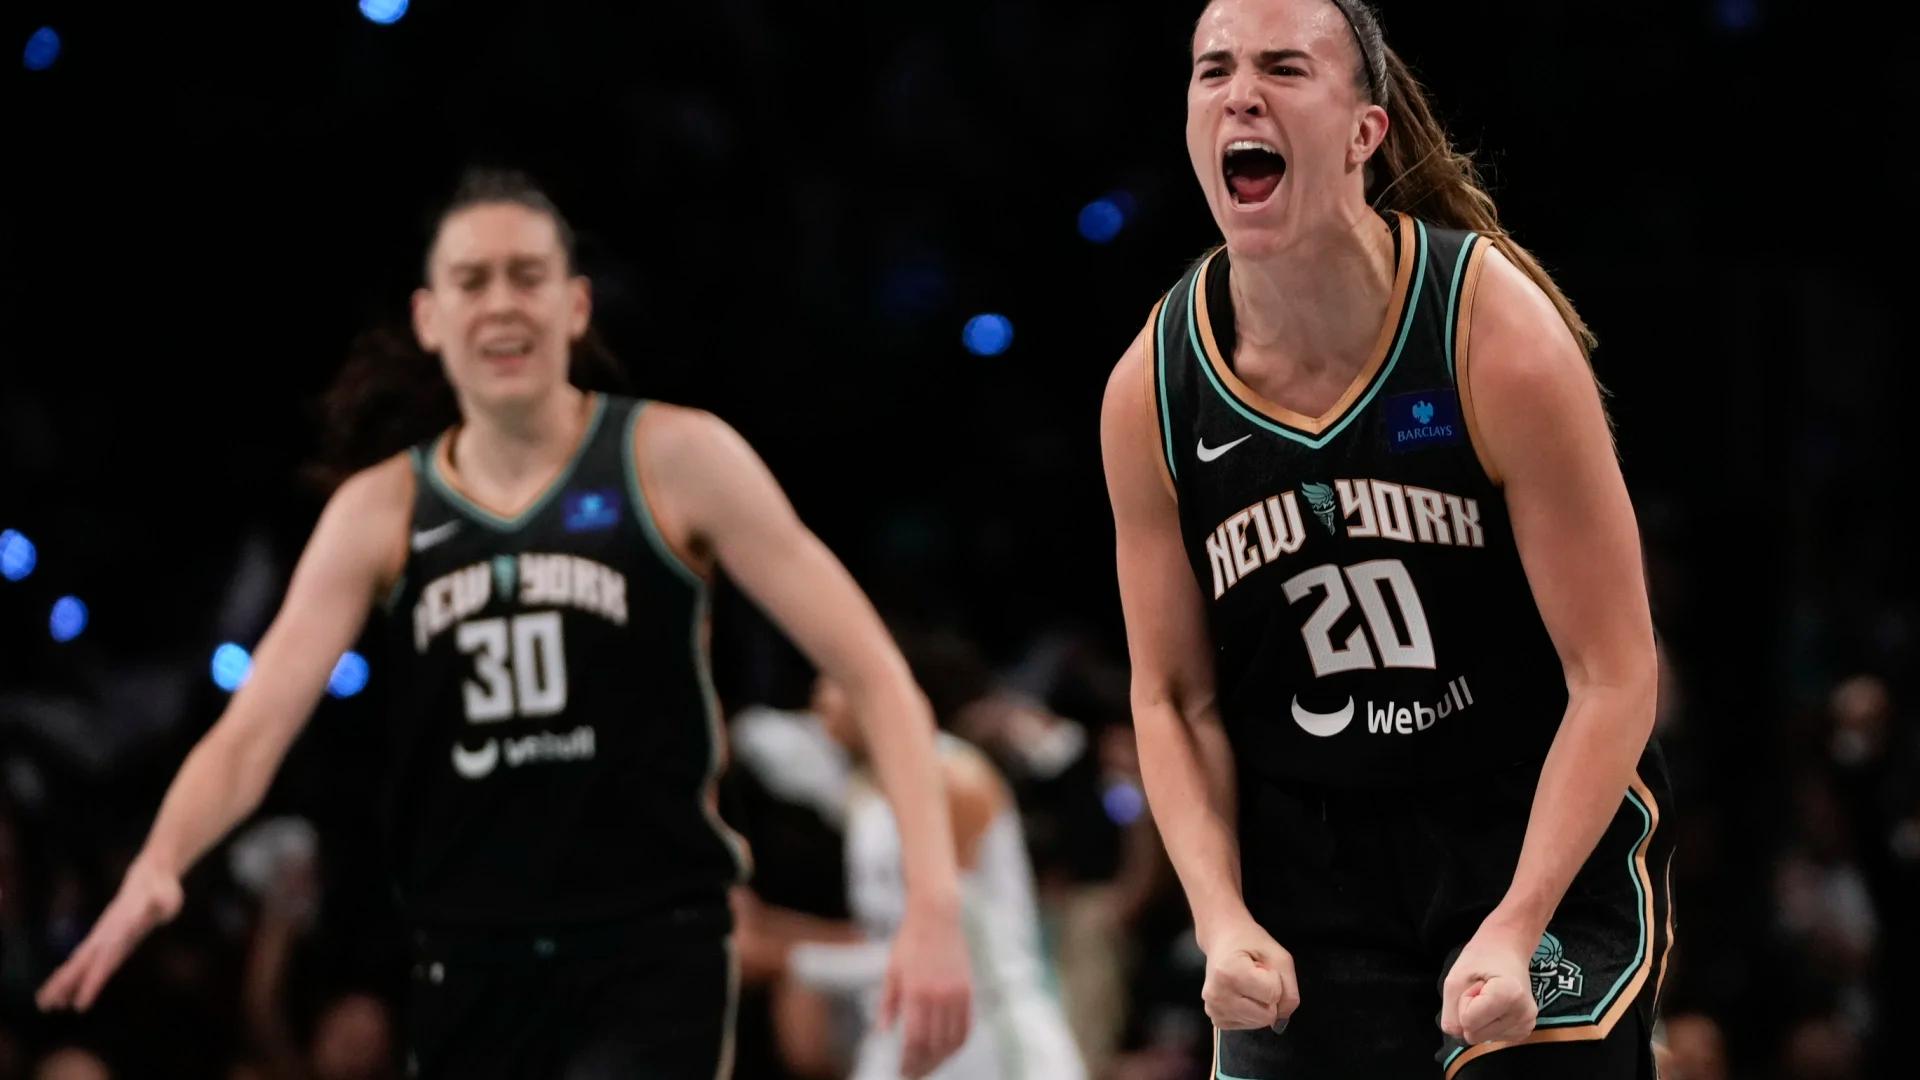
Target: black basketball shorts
{"points": [[608, 1002], [1375, 893]]}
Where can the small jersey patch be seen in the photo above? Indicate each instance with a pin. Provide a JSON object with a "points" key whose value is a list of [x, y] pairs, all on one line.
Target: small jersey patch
{"points": [[592, 511], [1423, 420]]}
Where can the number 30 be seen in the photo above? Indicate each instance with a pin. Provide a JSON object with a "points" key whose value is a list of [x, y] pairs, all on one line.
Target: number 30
{"points": [[534, 684]]}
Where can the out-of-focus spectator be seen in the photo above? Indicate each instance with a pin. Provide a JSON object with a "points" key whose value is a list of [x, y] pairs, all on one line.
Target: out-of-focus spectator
{"points": [[72, 1063], [353, 1039], [1694, 1049], [1822, 1048]]}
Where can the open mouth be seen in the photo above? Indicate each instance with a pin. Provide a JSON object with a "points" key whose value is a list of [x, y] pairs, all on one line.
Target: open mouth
{"points": [[506, 348], [1252, 169]]}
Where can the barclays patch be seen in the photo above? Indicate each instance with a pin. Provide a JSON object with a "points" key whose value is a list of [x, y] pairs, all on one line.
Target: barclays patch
{"points": [[592, 511], [1423, 421]]}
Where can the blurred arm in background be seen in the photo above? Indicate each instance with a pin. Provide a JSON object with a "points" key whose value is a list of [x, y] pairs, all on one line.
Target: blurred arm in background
{"points": [[718, 502]]}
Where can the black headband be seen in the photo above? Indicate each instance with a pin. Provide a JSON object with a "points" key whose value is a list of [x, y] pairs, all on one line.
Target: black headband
{"points": [[1376, 70]]}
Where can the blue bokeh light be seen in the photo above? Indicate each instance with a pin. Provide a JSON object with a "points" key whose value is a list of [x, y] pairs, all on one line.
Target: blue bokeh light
{"points": [[231, 666], [1124, 802], [68, 620], [43, 48], [349, 676], [384, 12], [18, 556], [1101, 221], [988, 335]]}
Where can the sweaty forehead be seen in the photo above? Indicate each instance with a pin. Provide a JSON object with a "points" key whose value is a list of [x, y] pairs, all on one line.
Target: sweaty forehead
{"points": [[1254, 26], [495, 232]]}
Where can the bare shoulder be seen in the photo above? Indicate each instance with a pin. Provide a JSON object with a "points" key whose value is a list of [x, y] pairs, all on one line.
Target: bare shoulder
{"points": [[1125, 400], [1527, 387], [1517, 337], [677, 443], [972, 778], [363, 530], [385, 488], [976, 796]]}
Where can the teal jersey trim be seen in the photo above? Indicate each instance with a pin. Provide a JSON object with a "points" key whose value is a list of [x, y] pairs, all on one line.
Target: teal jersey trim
{"points": [[1160, 370], [702, 662], [1217, 1073], [629, 456], [703, 666], [505, 524], [1315, 442], [1453, 296]]}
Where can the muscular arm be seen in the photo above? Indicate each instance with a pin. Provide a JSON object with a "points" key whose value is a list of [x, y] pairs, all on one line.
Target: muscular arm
{"points": [[1184, 760], [1541, 428], [355, 551]]}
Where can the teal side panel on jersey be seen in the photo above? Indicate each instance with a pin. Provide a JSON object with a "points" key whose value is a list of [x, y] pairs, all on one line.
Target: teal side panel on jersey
{"points": [[1453, 296]]}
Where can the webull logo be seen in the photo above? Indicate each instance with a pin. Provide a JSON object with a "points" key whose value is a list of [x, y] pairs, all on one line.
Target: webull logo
{"points": [[1393, 718], [576, 745]]}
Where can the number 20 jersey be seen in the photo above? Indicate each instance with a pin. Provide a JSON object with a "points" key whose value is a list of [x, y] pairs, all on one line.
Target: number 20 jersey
{"points": [[554, 737], [1371, 622]]}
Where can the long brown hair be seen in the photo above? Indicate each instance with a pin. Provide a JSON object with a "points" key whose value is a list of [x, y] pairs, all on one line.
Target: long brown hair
{"points": [[1418, 171], [391, 394]]}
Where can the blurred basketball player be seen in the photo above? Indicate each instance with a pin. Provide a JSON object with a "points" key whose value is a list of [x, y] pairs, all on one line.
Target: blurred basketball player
{"points": [[543, 568], [1393, 658], [1020, 1029]]}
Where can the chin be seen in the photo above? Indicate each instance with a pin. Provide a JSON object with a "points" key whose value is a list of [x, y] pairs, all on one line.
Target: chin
{"points": [[510, 389], [1248, 237]]}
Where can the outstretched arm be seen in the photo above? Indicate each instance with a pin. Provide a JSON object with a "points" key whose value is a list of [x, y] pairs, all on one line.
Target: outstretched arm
{"points": [[356, 549], [712, 495]]}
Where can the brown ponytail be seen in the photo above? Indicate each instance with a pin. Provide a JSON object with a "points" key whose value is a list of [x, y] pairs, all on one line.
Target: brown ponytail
{"points": [[1417, 171]]}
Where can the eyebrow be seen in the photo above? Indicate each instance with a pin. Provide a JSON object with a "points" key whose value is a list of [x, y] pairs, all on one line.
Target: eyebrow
{"points": [[514, 262], [1271, 56]]}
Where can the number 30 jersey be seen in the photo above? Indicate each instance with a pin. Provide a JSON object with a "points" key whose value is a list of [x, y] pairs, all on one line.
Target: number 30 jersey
{"points": [[554, 740], [1371, 622]]}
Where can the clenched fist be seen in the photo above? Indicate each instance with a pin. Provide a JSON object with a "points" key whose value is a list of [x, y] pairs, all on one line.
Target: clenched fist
{"points": [[1488, 996], [1250, 981]]}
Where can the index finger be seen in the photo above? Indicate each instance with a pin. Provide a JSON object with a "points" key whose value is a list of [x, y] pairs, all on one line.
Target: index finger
{"points": [[916, 1037]]}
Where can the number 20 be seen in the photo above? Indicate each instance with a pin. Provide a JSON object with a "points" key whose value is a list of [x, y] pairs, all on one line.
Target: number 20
{"points": [[1371, 582]]}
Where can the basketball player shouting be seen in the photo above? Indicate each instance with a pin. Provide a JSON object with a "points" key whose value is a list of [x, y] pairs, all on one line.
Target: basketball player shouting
{"points": [[1393, 658]]}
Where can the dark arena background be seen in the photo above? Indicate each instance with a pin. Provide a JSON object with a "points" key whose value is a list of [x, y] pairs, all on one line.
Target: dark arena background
{"points": [[899, 246]]}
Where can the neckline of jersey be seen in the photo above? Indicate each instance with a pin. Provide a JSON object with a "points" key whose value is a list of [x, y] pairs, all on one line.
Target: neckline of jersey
{"points": [[1315, 431], [443, 481]]}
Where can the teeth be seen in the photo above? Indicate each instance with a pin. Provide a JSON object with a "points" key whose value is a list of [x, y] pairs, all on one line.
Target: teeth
{"points": [[507, 348], [1251, 144]]}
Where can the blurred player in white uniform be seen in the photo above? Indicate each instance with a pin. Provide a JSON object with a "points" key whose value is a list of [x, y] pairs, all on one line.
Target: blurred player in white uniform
{"points": [[1019, 1029]]}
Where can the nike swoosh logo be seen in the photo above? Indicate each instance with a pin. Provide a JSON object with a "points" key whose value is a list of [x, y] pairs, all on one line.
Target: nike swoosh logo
{"points": [[474, 764], [1213, 453], [426, 538], [1323, 724]]}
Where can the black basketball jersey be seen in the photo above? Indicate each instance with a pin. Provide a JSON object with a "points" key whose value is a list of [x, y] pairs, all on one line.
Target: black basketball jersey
{"points": [[1371, 622], [555, 734]]}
